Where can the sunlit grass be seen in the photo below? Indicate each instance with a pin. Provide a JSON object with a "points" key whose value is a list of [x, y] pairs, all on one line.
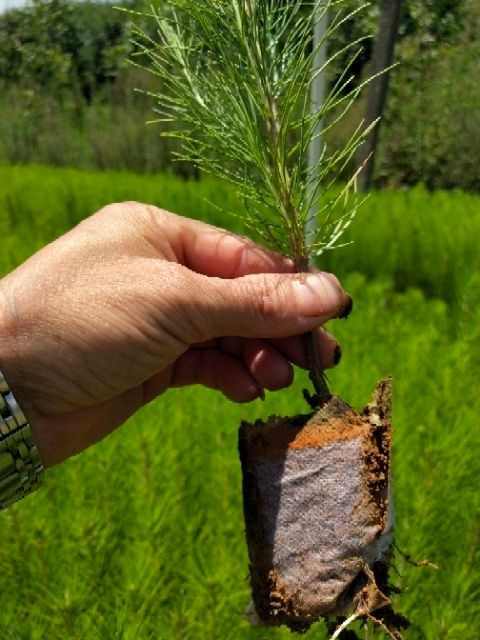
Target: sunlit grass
{"points": [[415, 238], [141, 537]]}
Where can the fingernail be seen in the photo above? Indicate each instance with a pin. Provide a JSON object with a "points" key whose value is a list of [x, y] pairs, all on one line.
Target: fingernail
{"points": [[347, 309], [317, 295], [337, 355]]}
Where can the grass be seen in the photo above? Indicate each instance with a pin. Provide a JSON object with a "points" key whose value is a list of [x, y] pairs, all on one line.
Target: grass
{"points": [[417, 238], [38, 203], [413, 237], [141, 537]]}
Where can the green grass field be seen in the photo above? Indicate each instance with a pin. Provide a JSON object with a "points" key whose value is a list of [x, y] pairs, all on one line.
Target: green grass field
{"points": [[141, 537]]}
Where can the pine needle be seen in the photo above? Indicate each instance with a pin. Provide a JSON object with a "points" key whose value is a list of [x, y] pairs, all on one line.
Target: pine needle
{"points": [[235, 78]]}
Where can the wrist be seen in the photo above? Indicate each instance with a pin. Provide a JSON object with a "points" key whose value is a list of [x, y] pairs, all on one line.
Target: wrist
{"points": [[11, 359], [21, 468]]}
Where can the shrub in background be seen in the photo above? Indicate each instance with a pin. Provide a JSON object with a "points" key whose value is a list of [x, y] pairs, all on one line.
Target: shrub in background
{"points": [[66, 94], [432, 123]]}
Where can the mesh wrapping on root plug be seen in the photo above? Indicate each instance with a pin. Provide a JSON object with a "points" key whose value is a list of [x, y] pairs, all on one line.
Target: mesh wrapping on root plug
{"points": [[317, 510]]}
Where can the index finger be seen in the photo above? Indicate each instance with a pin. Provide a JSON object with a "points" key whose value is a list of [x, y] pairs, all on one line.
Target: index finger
{"points": [[216, 252]]}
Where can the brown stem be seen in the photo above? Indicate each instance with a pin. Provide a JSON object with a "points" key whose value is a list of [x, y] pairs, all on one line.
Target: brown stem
{"points": [[282, 181], [316, 374]]}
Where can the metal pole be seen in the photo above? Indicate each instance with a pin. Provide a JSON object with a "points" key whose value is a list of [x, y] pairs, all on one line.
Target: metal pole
{"points": [[317, 97]]}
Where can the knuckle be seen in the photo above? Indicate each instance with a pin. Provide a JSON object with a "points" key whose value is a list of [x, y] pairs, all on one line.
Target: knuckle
{"points": [[117, 208], [181, 302], [267, 297], [132, 209], [153, 214]]}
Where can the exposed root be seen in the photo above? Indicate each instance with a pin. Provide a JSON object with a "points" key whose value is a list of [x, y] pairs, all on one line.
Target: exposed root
{"points": [[419, 565], [346, 623], [393, 635]]}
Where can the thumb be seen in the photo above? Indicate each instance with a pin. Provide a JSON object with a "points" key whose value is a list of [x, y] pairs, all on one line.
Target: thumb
{"points": [[270, 305]]}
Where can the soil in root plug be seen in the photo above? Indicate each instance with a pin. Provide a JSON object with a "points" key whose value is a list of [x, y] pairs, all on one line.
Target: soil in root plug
{"points": [[318, 513]]}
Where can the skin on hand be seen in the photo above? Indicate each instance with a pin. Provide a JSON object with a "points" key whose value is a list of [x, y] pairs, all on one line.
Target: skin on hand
{"points": [[135, 300]]}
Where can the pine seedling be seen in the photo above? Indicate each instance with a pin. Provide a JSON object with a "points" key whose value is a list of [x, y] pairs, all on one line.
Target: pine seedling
{"points": [[236, 78]]}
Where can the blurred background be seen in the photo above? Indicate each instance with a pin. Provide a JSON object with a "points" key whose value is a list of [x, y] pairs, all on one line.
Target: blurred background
{"points": [[67, 90]]}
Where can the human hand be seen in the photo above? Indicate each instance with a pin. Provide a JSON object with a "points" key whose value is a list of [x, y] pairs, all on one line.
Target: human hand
{"points": [[135, 300]]}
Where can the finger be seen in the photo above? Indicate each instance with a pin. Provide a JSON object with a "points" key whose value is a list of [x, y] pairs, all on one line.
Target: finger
{"points": [[269, 361], [268, 366], [216, 370], [295, 351], [215, 252], [293, 348], [263, 359], [267, 305]]}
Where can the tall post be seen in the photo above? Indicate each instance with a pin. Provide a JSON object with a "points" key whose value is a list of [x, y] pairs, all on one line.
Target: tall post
{"points": [[382, 57], [317, 96]]}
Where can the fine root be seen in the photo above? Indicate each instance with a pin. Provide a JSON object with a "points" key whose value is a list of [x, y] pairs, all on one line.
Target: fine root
{"points": [[344, 625], [419, 565], [393, 635]]}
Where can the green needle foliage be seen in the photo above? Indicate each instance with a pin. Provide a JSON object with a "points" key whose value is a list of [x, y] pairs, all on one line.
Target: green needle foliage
{"points": [[236, 78]]}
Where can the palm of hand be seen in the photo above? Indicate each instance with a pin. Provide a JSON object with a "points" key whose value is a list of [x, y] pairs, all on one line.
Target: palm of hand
{"points": [[130, 303]]}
